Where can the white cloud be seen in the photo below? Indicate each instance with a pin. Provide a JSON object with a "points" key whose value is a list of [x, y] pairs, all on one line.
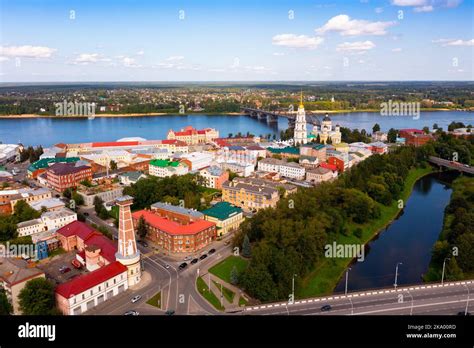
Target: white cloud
{"points": [[278, 54], [174, 58], [398, 49], [3, 59], [129, 62], [297, 41], [378, 10], [140, 53], [426, 8], [357, 47], [409, 2], [26, 51], [87, 58], [454, 42], [353, 27]]}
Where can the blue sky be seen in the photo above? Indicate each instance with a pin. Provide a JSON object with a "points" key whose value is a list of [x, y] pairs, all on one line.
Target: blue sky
{"points": [[200, 40]]}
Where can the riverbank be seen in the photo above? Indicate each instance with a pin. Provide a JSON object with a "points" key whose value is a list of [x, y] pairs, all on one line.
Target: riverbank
{"points": [[328, 272], [462, 187], [152, 114]]}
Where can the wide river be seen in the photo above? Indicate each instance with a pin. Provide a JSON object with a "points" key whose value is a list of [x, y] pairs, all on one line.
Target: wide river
{"points": [[409, 239], [49, 131]]}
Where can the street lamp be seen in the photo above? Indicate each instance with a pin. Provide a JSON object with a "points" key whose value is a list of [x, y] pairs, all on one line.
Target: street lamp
{"points": [[467, 302], [293, 289], [396, 274], [444, 265], [347, 276]]}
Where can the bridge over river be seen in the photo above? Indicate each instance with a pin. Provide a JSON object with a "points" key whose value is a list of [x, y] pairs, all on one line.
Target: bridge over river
{"points": [[272, 116], [463, 168]]}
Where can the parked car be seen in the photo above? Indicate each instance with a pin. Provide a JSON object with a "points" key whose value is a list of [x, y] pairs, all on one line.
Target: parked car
{"points": [[187, 258], [203, 257], [326, 308], [194, 261], [227, 242], [64, 269], [76, 264], [212, 251], [132, 312], [167, 266], [464, 313], [136, 298], [169, 312], [183, 265], [86, 213]]}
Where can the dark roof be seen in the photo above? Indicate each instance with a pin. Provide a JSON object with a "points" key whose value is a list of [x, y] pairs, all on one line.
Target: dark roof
{"points": [[66, 168]]}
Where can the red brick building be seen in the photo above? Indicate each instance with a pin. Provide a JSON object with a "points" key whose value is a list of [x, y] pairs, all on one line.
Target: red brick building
{"points": [[337, 162], [61, 176], [415, 137], [177, 234]]}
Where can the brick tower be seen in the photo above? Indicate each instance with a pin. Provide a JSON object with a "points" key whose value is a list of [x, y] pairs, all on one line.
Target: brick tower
{"points": [[128, 253]]}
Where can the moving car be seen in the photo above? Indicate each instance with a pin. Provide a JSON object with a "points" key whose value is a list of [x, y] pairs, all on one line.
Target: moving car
{"points": [[194, 261], [203, 257], [326, 308], [136, 298], [212, 251], [132, 312], [183, 265]]}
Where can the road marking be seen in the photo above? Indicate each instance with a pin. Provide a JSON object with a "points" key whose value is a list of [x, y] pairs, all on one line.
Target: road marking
{"points": [[408, 307]]}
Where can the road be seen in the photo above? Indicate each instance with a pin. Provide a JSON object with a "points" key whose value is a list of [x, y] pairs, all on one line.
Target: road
{"points": [[178, 287], [433, 299]]}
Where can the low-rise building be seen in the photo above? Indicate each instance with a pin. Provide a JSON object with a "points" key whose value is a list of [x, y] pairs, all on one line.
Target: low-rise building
{"points": [[226, 216], [192, 136], [196, 160], [214, 176], [284, 152], [249, 196], [318, 175], [378, 147], [241, 169], [174, 235], [61, 176], [48, 221], [107, 192], [129, 178], [27, 194], [9, 153], [14, 274], [166, 168], [284, 168], [415, 137], [314, 150]]}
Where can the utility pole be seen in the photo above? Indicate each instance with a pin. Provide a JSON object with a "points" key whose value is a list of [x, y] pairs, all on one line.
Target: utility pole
{"points": [[444, 265], [396, 274], [293, 289], [347, 276]]}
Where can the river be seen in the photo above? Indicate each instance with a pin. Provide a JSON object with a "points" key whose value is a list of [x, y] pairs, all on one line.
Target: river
{"points": [[48, 131], [409, 239]]}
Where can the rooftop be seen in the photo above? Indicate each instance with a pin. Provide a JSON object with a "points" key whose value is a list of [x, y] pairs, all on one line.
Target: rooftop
{"points": [[13, 271], [164, 163], [177, 209], [222, 210], [87, 281], [172, 227]]}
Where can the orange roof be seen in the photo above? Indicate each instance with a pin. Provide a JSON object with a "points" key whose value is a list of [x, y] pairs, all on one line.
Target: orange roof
{"points": [[172, 227]]}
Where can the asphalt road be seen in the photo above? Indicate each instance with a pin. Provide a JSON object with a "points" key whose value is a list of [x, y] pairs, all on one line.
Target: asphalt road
{"points": [[433, 299]]}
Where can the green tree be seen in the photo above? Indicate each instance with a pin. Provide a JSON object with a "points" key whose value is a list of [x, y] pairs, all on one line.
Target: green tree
{"points": [[113, 165], [246, 248], [376, 128], [141, 228], [24, 212], [67, 193], [435, 126], [392, 135], [6, 307], [234, 276], [37, 297], [78, 199]]}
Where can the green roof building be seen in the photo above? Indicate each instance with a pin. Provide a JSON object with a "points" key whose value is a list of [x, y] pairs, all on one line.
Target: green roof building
{"points": [[226, 216]]}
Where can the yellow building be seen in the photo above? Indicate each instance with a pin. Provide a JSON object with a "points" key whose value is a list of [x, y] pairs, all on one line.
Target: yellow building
{"points": [[248, 196], [226, 216], [342, 147]]}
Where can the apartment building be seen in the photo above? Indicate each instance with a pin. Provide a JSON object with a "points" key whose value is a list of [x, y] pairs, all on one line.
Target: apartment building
{"points": [[248, 196]]}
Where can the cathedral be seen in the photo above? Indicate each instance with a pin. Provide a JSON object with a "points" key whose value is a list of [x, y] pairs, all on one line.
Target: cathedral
{"points": [[326, 131], [301, 133]]}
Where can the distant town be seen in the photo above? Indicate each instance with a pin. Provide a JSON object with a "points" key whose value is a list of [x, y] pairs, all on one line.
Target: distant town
{"points": [[175, 98], [108, 223]]}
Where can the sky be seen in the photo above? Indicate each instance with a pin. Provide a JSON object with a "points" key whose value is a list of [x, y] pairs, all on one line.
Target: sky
{"points": [[245, 40]]}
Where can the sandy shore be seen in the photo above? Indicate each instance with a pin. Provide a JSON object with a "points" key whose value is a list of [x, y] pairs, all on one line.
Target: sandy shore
{"points": [[208, 114]]}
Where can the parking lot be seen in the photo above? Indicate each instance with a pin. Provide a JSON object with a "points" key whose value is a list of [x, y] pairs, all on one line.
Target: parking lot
{"points": [[52, 268]]}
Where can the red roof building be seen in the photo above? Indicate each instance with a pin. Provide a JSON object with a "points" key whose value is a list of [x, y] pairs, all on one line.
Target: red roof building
{"points": [[328, 166], [415, 137], [61, 176], [175, 236]]}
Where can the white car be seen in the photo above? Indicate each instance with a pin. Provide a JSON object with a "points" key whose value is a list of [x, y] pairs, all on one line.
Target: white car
{"points": [[136, 298], [187, 258], [167, 266]]}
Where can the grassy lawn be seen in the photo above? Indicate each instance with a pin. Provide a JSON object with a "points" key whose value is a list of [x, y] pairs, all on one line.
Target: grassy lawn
{"points": [[242, 301], [223, 268], [327, 272], [228, 294], [55, 252], [114, 212], [208, 294], [155, 300]]}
